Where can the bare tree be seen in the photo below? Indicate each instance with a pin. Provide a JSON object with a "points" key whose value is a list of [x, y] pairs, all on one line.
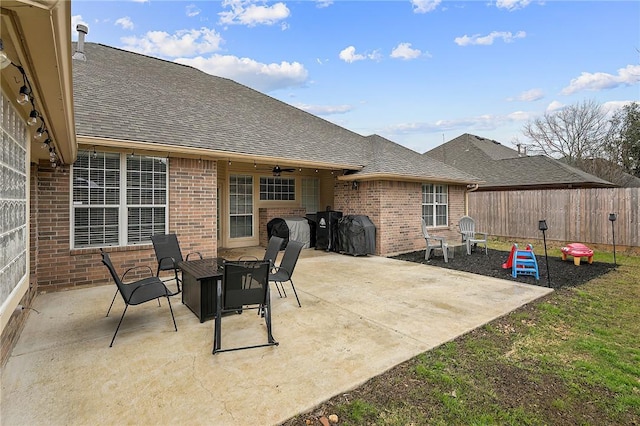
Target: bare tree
{"points": [[574, 133]]}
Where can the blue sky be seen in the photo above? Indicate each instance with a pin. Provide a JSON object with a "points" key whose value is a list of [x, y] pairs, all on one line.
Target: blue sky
{"points": [[418, 72]]}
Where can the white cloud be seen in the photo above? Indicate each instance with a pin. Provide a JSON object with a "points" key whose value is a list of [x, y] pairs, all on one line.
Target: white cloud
{"points": [[182, 43], [529, 96], [481, 122], [247, 12], [424, 6], [506, 36], [512, 5], [599, 81], [320, 4], [404, 51], [555, 106], [325, 109], [192, 10], [262, 77], [125, 22], [348, 54]]}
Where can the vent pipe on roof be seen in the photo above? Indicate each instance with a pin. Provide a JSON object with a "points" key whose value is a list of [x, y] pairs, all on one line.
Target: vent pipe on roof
{"points": [[83, 30]]}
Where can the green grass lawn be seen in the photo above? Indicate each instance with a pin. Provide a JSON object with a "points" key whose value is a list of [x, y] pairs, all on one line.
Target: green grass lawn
{"points": [[572, 357]]}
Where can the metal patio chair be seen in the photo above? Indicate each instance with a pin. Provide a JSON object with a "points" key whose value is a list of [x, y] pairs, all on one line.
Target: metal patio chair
{"points": [[169, 256], [137, 292], [245, 285], [284, 271], [273, 248]]}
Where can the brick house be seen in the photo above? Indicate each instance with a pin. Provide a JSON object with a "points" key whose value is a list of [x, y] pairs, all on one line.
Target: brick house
{"points": [[144, 146]]}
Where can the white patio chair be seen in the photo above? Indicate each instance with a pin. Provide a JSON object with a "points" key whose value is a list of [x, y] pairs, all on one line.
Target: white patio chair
{"points": [[470, 236]]}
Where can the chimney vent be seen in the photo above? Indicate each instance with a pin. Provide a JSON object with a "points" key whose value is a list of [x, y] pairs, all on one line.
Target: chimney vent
{"points": [[82, 32]]}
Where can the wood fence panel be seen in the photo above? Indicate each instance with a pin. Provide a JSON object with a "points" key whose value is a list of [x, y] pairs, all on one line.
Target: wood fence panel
{"points": [[572, 215]]}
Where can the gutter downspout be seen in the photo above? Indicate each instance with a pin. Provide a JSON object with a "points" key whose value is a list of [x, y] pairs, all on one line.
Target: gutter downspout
{"points": [[470, 188]]}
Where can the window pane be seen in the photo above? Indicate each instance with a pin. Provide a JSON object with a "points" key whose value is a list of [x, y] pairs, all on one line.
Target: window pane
{"points": [[240, 206], [277, 188], [435, 208], [97, 198]]}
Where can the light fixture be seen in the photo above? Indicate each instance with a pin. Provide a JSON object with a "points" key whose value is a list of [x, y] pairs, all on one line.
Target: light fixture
{"points": [[4, 59], [33, 118], [95, 154], [612, 218], [542, 225], [23, 96], [46, 143], [354, 185], [40, 132]]}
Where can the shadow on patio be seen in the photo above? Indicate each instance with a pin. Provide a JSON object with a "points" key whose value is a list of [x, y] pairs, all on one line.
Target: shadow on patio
{"points": [[360, 316]]}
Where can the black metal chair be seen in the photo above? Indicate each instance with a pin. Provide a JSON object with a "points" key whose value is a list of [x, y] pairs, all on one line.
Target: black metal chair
{"points": [[245, 285], [137, 292], [273, 248], [169, 256], [284, 271]]}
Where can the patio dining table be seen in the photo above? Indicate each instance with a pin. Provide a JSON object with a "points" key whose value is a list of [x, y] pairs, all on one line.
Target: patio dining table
{"points": [[199, 285]]}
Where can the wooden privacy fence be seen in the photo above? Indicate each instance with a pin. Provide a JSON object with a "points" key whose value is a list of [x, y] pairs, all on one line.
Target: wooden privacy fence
{"points": [[572, 215]]}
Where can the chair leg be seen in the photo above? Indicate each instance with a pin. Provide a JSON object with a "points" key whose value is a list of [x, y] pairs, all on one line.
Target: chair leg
{"points": [[296, 293], [118, 327], [171, 310], [267, 320], [111, 305]]}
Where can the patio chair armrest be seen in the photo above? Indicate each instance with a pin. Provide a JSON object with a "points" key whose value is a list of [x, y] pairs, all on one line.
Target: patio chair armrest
{"points": [[277, 269], [134, 268], [151, 283], [483, 234], [195, 252]]}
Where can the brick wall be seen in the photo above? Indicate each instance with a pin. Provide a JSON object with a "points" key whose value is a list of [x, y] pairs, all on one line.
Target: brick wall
{"points": [[266, 214], [395, 209], [192, 216]]}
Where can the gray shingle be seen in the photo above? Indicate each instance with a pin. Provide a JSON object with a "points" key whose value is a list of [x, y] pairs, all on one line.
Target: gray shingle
{"points": [[127, 96], [503, 167]]}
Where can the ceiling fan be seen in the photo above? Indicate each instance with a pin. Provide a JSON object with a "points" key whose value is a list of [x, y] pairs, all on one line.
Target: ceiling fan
{"points": [[277, 170]]}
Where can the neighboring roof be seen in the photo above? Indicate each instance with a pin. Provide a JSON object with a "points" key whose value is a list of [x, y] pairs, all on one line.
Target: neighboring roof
{"points": [[388, 160], [504, 168], [126, 96]]}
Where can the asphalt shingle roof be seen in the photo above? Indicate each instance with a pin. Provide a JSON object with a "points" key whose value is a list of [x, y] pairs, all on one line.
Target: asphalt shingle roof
{"points": [[503, 167], [387, 158], [125, 96]]}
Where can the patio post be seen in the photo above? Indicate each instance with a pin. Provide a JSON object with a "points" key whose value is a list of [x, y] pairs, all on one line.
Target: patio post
{"points": [[542, 225]]}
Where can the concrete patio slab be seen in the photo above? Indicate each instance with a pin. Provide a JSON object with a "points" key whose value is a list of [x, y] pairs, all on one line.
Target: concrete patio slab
{"points": [[360, 316]]}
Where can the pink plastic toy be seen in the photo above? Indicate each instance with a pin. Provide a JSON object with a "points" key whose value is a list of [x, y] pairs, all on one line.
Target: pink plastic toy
{"points": [[577, 250]]}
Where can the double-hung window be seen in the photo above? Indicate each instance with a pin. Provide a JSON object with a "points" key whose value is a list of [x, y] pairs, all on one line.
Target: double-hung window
{"points": [[118, 199], [435, 204]]}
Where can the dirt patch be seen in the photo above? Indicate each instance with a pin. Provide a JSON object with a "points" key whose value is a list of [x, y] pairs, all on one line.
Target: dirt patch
{"points": [[561, 273]]}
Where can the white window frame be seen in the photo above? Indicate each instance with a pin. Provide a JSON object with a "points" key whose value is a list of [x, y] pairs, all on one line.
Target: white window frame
{"points": [[435, 198], [245, 197], [277, 188], [310, 194], [122, 205]]}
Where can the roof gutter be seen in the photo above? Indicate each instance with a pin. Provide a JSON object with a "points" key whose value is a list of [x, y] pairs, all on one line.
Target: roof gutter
{"points": [[470, 188], [203, 153]]}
